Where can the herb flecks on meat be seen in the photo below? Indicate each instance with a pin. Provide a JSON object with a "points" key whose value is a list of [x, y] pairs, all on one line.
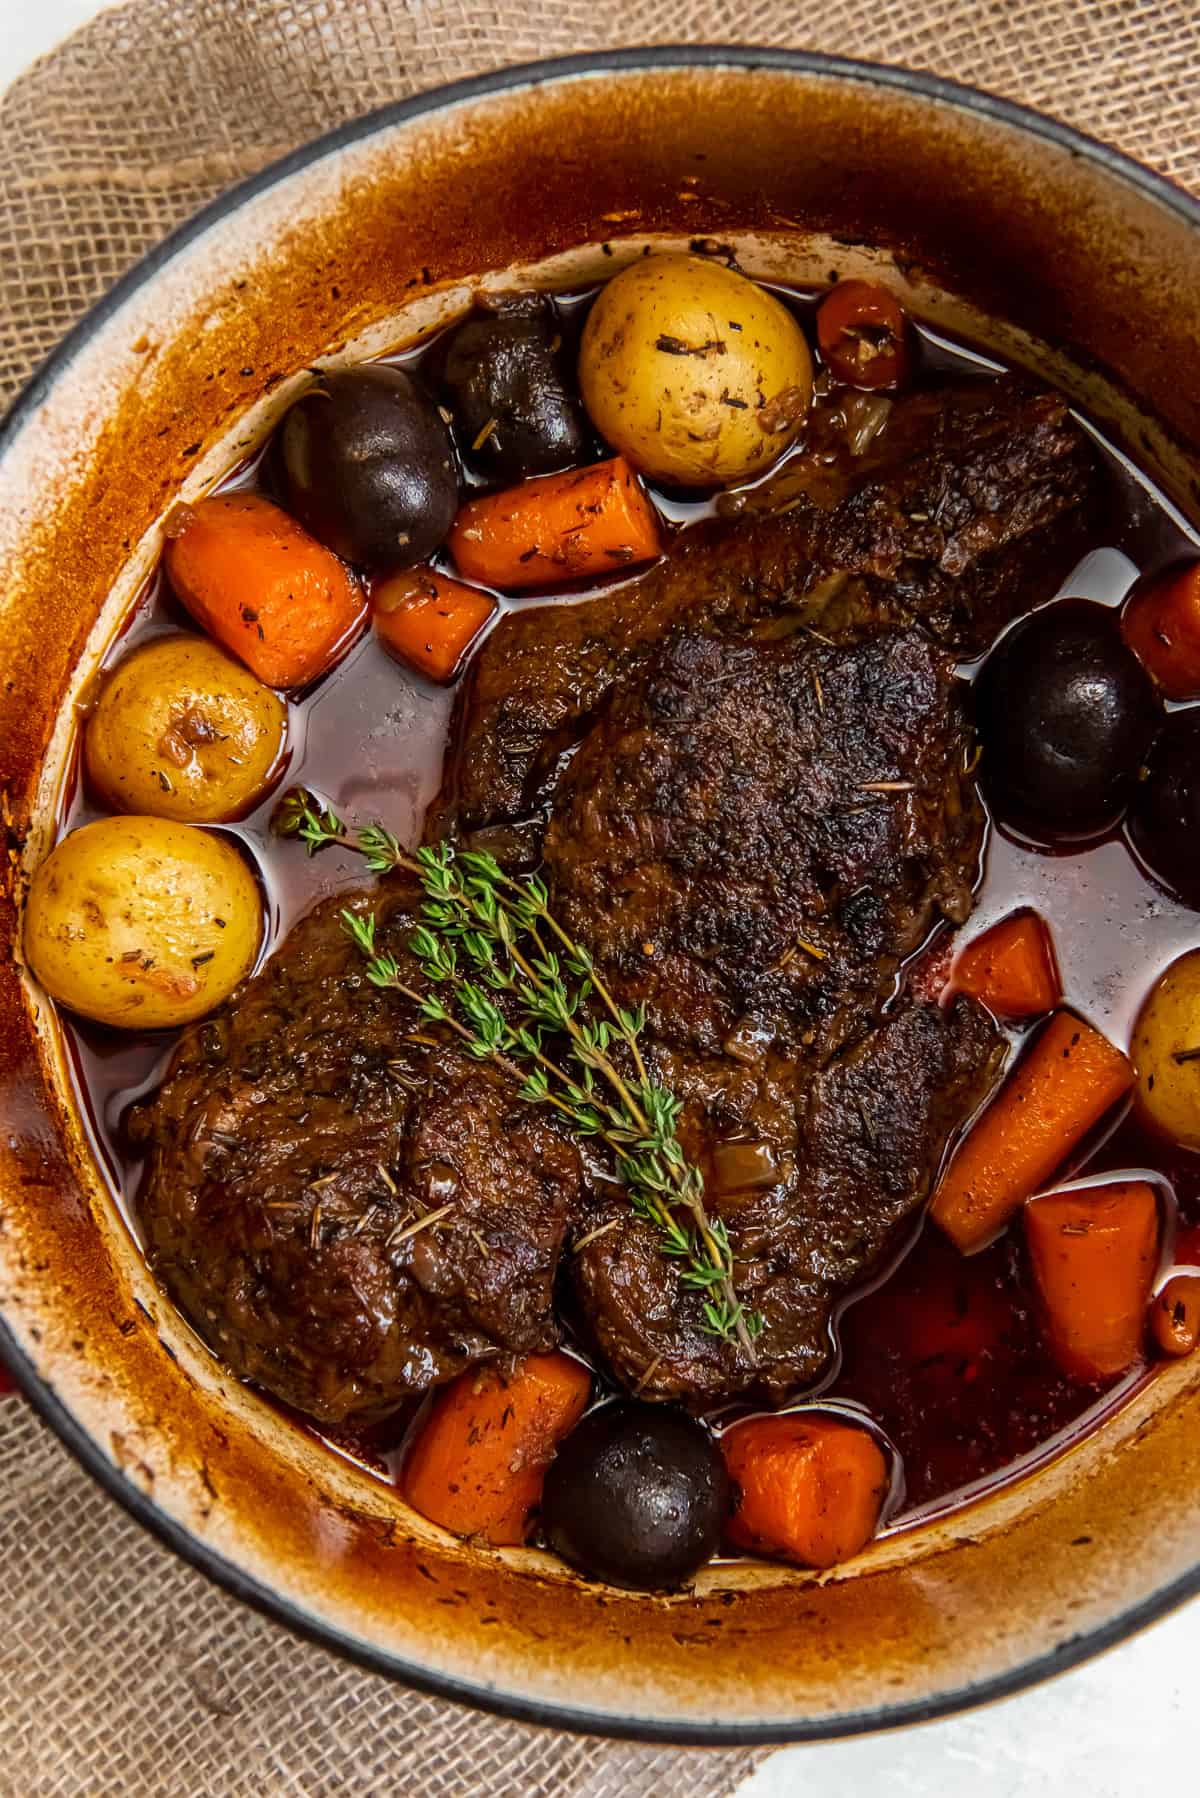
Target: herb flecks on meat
{"points": [[485, 934]]}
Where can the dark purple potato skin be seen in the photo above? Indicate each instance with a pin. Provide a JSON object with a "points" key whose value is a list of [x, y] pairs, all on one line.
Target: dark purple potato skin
{"points": [[506, 373], [1066, 715], [637, 1496], [1164, 819], [368, 466]]}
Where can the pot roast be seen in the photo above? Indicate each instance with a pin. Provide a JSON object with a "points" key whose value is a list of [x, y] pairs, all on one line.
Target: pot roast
{"points": [[747, 780]]}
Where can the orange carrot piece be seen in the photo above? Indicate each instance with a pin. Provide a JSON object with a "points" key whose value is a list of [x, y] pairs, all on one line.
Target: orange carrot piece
{"points": [[1175, 1315], [559, 527], [1093, 1253], [1061, 1087], [1161, 624], [428, 620], [810, 1488], [478, 1464], [266, 590], [1011, 968]]}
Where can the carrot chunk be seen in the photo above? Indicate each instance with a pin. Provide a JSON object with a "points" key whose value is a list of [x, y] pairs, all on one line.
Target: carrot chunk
{"points": [[1175, 1315], [1161, 624], [1061, 1087], [1093, 1253], [428, 620], [810, 1488], [266, 590], [1011, 968], [559, 527], [478, 1464]]}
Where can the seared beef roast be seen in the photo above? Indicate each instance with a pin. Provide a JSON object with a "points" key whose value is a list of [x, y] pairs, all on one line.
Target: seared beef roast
{"points": [[299, 1140], [973, 503], [750, 838], [856, 1149], [752, 835], [747, 777]]}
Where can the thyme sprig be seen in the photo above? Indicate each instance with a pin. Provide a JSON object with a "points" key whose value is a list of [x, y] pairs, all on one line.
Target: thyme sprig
{"points": [[562, 1039]]}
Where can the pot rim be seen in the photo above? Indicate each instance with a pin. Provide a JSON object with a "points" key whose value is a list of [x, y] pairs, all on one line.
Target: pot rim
{"points": [[41, 1395]]}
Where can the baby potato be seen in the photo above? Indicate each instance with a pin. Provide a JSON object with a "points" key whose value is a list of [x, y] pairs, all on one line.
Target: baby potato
{"points": [[142, 922], [695, 374], [1166, 1053], [183, 731]]}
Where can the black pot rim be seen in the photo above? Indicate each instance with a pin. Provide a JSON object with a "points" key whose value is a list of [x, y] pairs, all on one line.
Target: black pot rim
{"points": [[42, 1396]]}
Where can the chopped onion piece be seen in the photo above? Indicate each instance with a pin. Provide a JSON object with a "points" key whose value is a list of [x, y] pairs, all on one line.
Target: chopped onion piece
{"points": [[866, 414]]}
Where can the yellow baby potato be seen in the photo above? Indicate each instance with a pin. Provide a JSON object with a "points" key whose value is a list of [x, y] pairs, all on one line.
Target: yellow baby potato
{"points": [[142, 922], [1166, 1053], [183, 731], [693, 373]]}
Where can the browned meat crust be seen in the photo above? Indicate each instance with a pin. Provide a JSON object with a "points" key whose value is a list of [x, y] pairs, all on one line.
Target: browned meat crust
{"points": [[752, 835], [298, 1138], [857, 1148]]}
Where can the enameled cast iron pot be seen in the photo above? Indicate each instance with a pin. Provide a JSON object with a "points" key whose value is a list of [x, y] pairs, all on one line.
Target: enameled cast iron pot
{"points": [[976, 211]]}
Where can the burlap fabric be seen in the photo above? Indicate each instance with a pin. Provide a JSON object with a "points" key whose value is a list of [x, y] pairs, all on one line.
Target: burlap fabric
{"points": [[121, 1671]]}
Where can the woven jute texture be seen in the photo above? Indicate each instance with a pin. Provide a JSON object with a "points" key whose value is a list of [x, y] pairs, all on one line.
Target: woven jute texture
{"points": [[121, 1671]]}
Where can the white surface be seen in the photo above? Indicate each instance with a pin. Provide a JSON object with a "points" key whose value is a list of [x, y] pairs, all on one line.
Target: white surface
{"points": [[28, 28], [1121, 1727], [1118, 1728]]}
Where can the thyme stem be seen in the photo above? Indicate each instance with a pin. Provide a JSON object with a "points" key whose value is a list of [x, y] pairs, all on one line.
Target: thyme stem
{"points": [[602, 992]]}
